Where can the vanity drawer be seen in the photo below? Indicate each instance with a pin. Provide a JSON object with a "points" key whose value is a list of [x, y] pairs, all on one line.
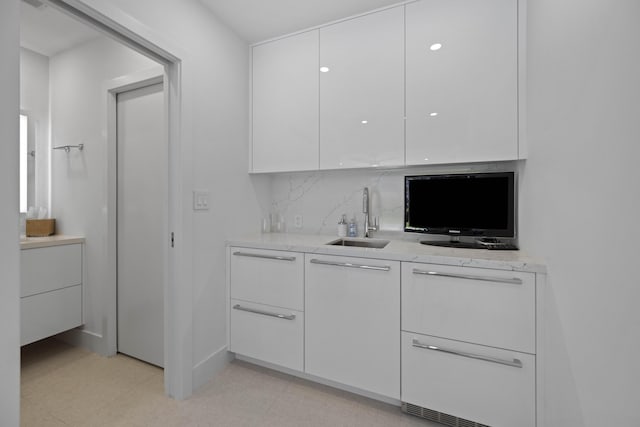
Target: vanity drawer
{"points": [[270, 334], [489, 386], [50, 313], [50, 268], [267, 277], [482, 306]]}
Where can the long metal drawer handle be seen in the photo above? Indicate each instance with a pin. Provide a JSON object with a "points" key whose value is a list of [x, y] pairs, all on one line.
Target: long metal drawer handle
{"points": [[278, 257], [513, 281], [265, 313], [348, 264], [515, 363]]}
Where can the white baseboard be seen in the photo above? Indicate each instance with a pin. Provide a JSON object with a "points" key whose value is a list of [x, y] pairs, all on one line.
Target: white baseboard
{"points": [[86, 339], [205, 370], [315, 379]]}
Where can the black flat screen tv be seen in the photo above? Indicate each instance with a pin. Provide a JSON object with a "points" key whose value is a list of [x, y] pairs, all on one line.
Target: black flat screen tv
{"points": [[472, 204]]}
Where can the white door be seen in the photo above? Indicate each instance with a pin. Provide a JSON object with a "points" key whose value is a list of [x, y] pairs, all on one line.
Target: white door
{"points": [[142, 199]]}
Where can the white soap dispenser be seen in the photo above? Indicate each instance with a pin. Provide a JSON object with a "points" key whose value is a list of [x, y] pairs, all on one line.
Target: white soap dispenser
{"points": [[342, 226]]}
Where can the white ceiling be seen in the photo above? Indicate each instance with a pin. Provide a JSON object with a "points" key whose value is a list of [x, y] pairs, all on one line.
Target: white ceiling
{"points": [[258, 20], [48, 31]]}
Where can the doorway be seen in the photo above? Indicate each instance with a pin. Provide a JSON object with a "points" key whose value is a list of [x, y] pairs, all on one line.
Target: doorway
{"points": [[101, 335], [141, 224]]}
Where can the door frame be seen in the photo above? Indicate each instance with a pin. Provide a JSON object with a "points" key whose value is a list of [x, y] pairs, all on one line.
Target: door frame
{"points": [[178, 321], [137, 80]]}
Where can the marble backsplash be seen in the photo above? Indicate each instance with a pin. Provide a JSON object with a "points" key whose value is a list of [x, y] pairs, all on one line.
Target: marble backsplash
{"points": [[322, 197]]}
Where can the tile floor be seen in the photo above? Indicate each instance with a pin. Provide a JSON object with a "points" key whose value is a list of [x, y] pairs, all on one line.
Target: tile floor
{"points": [[69, 386]]}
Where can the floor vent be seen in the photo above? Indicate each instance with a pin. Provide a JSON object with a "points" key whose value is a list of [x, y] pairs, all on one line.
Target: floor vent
{"points": [[439, 417]]}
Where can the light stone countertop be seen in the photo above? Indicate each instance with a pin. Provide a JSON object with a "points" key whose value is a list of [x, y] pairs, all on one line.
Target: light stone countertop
{"points": [[396, 250], [43, 242]]}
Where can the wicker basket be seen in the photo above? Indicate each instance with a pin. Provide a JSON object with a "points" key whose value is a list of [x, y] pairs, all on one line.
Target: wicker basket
{"points": [[40, 227]]}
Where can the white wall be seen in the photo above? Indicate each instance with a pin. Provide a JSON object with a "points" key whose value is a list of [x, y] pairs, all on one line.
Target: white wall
{"points": [[34, 101], [79, 186], [9, 247], [581, 204]]}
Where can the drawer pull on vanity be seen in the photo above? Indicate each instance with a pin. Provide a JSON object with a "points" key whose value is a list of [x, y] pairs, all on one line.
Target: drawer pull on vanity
{"points": [[265, 313], [513, 281], [350, 265], [515, 362], [278, 257]]}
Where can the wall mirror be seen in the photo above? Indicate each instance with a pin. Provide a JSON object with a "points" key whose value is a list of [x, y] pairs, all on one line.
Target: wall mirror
{"points": [[27, 162]]}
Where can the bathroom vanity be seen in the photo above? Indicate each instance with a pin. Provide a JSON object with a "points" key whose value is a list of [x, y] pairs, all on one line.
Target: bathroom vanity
{"points": [[51, 286]]}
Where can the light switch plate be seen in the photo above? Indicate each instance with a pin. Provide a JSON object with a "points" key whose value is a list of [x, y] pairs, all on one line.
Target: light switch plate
{"points": [[201, 200]]}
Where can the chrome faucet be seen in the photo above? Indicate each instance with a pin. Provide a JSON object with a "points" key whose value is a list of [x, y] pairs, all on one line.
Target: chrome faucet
{"points": [[365, 209]]}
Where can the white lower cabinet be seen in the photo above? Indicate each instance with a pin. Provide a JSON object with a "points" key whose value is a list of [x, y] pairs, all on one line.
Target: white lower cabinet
{"points": [[352, 315], [454, 344], [469, 344], [266, 312], [485, 385], [270, 334], [50, 291]]}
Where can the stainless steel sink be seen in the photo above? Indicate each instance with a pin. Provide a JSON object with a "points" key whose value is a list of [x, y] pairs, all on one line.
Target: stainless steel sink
{"points": [[360, 243]]}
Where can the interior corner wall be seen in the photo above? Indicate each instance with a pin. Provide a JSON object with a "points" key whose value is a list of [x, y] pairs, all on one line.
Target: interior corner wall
{"points": [[9, 244], [79, 186], [581, 204]]}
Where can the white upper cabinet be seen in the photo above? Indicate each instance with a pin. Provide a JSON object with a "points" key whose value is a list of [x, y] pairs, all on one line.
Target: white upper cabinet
{"points": [[362, 91], [461, 81], [285, 104], [440, 86]]}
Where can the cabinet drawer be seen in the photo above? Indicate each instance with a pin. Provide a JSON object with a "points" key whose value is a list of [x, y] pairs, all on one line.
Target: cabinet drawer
{"points": [[257, 331], [268, 277], [469, 386], [488, 307], [47, 269], [50, 313]]}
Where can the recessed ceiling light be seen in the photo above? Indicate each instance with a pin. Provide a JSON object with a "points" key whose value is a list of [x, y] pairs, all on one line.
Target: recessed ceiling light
{"points": [[324, 69], [433, 114], [436, 46], [364, 122]]}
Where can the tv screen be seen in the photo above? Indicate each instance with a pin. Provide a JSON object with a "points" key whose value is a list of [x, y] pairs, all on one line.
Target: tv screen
{"points": [[476, 204]]}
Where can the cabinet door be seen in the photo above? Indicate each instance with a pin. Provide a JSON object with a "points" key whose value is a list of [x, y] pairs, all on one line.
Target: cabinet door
{"points": [[50, 313], [461, 98], [285, 104], [352, 322], [490, 386], [270, 334], [267, 277], [488, 307], [362, 93], [50, 268]]}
